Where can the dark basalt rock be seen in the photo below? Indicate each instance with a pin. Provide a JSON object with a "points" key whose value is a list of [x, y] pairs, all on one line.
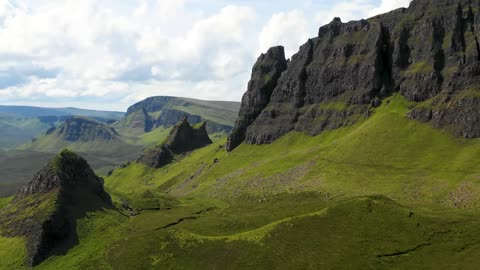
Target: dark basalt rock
{"points": [[169, 118], [46, 209], [462, 117], [264, 79], [424, 52], [421, 114], [156, 157], [182, 139]]}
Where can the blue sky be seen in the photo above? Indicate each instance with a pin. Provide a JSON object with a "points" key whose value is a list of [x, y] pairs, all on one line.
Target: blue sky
{"points": [[109, 54]]}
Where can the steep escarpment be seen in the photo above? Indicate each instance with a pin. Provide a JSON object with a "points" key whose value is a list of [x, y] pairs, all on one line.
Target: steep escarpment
{"points": [[164, 111], [84, 129], [79, 134], [264, 79], [46, 209], [429, 53], [182, 139]]}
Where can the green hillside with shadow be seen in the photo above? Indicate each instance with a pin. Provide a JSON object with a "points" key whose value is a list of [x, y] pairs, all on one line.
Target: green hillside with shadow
{"points": [[308, 202]]}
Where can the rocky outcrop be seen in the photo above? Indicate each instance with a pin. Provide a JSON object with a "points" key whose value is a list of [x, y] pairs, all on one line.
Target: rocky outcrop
{"points": [[46, 209], [170, 117], [82, 129], [264, 79], [182, 139], [427, 52], [461, 116]]}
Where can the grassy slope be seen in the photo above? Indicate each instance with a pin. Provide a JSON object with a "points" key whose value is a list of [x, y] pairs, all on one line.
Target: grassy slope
{"points": [[222, 116], [53, 144], [222, 112], [387, 154], [268, 207], [153, 137], [19, 125], [4, 201], [16, 131], [96, 232]]}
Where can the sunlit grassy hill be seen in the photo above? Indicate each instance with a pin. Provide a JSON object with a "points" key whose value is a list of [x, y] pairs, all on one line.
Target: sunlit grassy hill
{"points": [[388, 192]]}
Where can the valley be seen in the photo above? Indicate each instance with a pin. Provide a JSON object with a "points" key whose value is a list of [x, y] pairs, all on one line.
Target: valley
{"points": [[361, 151]]}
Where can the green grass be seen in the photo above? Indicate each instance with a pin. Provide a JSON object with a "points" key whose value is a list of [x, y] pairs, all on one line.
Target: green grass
{"points": [[364, 231], [223, 117], [52, 144], [300, 203], [12, 253], [386, 154], [17, 131], [5, 201], [420, 67], [96, 232], [33, 208], [154, 137]]}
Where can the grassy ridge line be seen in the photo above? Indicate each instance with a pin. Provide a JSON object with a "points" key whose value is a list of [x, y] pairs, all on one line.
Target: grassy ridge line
{"points": [[374, 232], [254, 235]]}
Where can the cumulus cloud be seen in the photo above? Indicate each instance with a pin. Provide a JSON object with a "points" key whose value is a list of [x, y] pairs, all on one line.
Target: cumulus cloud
{"points": [[111, 54], [98, 52], [387, 5], [349, 10], [285, 28]]}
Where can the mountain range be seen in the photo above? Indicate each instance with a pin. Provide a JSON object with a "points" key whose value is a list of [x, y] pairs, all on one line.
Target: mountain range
{"points": [[20, 124], [106, 139]]}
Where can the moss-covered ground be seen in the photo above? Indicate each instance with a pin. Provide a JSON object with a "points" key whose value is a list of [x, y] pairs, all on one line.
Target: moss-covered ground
{"points": [[300, 203]]}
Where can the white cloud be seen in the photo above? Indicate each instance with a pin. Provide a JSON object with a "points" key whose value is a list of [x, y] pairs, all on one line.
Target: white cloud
{"points": [[346, 10], [65, 52], [388, 5], [349, 10], [288, 29], [97, 51]]}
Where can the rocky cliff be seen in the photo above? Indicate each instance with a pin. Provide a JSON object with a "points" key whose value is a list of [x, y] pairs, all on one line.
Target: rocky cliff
{"points": [[265, 75], [84, 129], [429, 53], [182, 139], [163, 111], [46, 209]]}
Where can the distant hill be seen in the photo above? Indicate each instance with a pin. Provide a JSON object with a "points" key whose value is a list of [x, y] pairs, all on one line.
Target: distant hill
{"points": [[28, 111], [60, 193], [80, 134], [164, 112], [20, 124]]}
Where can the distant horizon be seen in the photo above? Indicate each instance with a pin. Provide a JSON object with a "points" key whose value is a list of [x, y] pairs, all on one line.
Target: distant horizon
{"points": [[116, 111], [106, 55]]}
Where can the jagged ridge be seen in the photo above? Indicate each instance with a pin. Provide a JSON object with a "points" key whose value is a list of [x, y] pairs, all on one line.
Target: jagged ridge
{"points": [[46, 209], [429, 53], [164, 111], [183, 138]]}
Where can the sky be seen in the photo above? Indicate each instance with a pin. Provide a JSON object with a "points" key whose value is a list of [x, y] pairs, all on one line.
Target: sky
{"points": [[109, 54]]}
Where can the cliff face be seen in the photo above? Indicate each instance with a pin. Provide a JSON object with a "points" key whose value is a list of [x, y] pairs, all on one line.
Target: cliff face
{"points": [[84, 130], [429, 53], [46, 209], [182, 139], [264, 79], [155, 112]]}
